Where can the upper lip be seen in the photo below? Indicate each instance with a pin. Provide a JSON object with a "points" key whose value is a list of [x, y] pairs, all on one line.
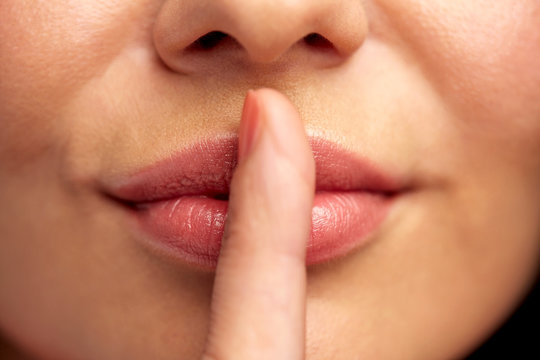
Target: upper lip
{"points": [[206, 169]]}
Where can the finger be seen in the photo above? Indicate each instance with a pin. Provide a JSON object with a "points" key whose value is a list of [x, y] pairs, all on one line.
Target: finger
{"points": [[258, 305]]}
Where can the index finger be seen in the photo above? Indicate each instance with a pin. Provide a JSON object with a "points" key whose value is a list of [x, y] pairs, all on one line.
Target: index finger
{"points": [[258, 305]]}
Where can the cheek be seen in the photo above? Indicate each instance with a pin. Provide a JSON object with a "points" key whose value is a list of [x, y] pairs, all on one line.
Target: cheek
{"points": [[47, 53], [481, 57]]}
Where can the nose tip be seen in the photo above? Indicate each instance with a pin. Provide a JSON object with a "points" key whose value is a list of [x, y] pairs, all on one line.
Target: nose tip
{"points": [[191, 32]]}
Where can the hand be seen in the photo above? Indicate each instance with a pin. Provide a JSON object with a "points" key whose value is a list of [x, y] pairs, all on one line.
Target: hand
{"points": [[258, 305]]}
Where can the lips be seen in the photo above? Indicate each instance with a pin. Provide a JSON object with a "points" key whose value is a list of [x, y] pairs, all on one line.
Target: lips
{"points": [[179, 205]]}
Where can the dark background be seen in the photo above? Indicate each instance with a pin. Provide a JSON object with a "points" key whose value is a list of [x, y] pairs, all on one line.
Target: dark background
{"points": [[519, 337]]}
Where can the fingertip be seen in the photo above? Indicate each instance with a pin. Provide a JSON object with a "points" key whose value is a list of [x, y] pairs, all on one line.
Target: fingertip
{"points": [[287, 130]]}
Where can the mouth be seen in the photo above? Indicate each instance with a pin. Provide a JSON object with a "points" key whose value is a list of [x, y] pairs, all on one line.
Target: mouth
{"points": [[179, 205]]}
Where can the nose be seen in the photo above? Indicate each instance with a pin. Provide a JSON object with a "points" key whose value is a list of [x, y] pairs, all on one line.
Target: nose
{"points": [[190, 35]]}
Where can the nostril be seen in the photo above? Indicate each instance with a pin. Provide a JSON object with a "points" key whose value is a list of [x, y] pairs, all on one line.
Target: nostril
{"points": [[214, 38], [318, 41], [208, 41]]}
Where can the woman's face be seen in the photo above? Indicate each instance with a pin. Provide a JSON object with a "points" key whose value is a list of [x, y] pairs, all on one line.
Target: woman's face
{"points": [[443, 95]]}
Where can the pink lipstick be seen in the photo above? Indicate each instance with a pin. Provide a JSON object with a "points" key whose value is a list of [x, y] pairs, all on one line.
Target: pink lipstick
{"points": [[179, 205]]}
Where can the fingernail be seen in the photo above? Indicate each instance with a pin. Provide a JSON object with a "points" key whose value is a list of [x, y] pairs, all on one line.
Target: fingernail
{"points": [[250, 125]]}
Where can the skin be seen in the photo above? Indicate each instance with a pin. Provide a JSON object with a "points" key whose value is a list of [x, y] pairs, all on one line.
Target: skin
{"points": [[442, 93]]}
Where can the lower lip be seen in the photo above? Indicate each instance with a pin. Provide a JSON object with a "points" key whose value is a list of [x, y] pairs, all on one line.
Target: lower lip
{"points": [[190, 228]]}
